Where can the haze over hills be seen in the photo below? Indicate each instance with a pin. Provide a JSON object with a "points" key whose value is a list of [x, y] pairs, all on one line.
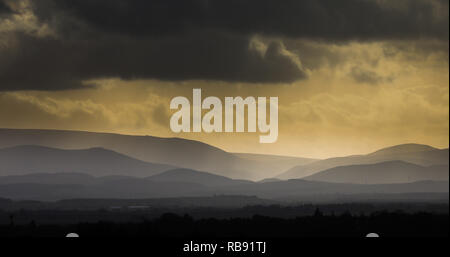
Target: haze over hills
{"points": [[192, 176], [171, 176], [117, 189], [172, 151], [62, 179], [402, 149], [268, 180], [50, 179], [276, 162], [412, 153], [141, 188], [382, 173], [202, 157], [190, 183], [37, 172], [22, 160], [153, 204], [311, 190]]}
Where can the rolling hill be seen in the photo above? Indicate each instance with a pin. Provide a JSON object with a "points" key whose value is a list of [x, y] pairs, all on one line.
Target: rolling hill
{"points": [[192, 176], [382, 173], [276, 162], [307, 191], [412, 153], [187, 183], [162, 154], [21, 160], [172, 176], [171, 151], [49, 179]]}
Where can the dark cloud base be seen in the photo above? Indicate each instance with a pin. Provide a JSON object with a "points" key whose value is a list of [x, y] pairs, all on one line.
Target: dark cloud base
{"points": [[4, 9], [53, 64], [198, 39], [319, 19]]}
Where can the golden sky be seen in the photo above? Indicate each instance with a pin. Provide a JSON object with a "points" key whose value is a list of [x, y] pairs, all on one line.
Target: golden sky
{"points": [[358, 96]]}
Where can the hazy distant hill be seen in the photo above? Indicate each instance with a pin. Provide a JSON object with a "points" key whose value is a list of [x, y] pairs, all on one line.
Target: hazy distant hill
{"points": [[21, 160], [269, 180], [181, 153], [138, 188], [402, 149], [172, 151], [310, 190], [192, 176], [123, 189], [157, 205], [221, 201], [382, 173], [62, 179], [276, 162], [171, 176], [49, 179], [413, 153]]}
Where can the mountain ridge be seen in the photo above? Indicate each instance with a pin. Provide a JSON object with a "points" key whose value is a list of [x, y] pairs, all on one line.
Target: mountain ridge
{"points": [[419, 157], [193, 176], [389, 172], [27, 159], [142, 188], [173, 151]]}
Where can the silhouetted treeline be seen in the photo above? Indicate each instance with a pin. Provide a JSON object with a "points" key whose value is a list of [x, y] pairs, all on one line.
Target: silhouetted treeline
{"points": [[387, 224], [137, 211]]}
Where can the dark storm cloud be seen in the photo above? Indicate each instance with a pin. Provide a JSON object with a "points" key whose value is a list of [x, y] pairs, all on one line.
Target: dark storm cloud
{"points": [[319, 19], [4, 9], [196, 39], [52, 64]]}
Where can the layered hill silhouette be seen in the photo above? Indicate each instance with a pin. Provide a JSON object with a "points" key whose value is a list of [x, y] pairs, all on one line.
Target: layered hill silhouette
{"points": [[32, 168], [50, 179], [189, 183], [276, 162], [192, 176], [29, 159], [171, 151], [172, 176], [382, 173], [313, 190], [411, 153], [141, 189]]}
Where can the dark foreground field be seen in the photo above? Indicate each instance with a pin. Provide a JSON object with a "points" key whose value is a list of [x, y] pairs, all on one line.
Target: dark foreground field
{"points": [[249, 222]]}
